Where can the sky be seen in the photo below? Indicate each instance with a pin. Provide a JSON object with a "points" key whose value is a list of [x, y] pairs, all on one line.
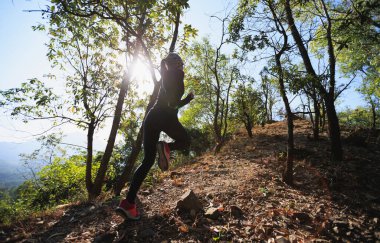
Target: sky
{"points": [[23, 56]]}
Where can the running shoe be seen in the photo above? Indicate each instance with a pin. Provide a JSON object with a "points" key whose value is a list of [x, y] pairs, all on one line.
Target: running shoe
{"points": [[127, 210], [163, 155]]}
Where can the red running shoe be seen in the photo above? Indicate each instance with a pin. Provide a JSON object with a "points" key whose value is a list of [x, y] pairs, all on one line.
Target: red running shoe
{"points": [[163, 155], [127, 210]]}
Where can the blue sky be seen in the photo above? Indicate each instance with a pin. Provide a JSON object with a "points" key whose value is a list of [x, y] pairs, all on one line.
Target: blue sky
{"points": [[23, 54], [22, 57]]}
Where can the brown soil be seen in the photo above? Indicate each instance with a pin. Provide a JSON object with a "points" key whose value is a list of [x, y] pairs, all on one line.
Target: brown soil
{"points": [[328, 203]]}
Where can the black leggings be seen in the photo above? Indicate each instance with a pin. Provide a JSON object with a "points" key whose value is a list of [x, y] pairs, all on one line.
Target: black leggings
{"points": [[158, 119]]}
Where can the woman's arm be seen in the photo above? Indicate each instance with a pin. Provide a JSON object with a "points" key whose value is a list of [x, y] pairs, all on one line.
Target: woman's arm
{"points": [[186, 101]]}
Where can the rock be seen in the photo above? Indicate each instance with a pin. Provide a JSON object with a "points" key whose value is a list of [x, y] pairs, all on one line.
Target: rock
{"points": [[236, 211], [188, 202], [212, 213], [146, 233], [336, 230]]}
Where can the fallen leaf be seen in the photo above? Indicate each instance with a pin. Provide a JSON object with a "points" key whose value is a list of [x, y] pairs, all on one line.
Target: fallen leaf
{"points": [[183, 228]]}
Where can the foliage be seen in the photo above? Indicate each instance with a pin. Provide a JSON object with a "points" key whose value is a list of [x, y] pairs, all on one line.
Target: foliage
{"points": [[32, 98], [247, 106], [210, 74], [143, 24], [60, 182], [360, 117], [201, 141], [7, 210], [268, 90]]}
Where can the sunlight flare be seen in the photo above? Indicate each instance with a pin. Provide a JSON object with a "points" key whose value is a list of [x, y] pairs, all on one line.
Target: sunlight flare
{"points": [[141, 76]]}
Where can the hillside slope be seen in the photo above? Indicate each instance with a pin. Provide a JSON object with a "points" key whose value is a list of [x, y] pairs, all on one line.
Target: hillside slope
{"points": [[243, 185]]}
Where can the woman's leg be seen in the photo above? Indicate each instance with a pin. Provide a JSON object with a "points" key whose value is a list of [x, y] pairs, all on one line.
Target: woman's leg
{"points": [[176, 131], [151, 136]]}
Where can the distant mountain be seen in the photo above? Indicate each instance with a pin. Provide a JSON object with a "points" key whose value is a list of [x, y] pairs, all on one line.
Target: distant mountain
{"points": [[9, 180], [11, 170], [9, 151]]}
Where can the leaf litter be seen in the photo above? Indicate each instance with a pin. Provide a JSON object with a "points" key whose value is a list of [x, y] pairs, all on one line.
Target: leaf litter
{"points": [[243, 187]]}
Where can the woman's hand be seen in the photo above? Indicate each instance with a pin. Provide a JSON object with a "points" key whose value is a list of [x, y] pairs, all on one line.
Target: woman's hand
{"points": [[191, 95]]}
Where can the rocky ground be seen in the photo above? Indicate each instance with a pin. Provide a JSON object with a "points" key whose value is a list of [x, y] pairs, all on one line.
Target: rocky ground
{"points": [[236, 196]]}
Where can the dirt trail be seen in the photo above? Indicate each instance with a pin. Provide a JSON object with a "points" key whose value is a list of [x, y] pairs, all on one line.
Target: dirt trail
{"points": [[328, 202]]}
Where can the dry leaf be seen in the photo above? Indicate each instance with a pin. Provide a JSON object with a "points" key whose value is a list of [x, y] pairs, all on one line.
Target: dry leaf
{"points": [[177, 182], [183, 228]]}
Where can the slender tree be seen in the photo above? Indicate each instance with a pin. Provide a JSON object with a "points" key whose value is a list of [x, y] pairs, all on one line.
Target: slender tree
{"points": [[91, 84], [247, 104], [268, 91], [328, 94], [211, 74]]}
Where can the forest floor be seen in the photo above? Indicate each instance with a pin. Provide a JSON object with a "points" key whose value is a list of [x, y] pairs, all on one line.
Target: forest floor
{"points": [[245, 200]]}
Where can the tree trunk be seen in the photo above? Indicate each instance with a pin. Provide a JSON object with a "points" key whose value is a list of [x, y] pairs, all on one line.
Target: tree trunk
{"points": [[323, 118], [334, 135], [316, 118], [97, 187], [249, 130], [266, 92], [287, 175], [175, 34], [90, 139], [334, 130], [311, 116], [373, 109], [248, 124], [218, 146], [266, 109], [130, 163]]}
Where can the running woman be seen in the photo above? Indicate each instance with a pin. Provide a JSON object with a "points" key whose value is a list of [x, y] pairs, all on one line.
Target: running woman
{"points": [[162, 117]]}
